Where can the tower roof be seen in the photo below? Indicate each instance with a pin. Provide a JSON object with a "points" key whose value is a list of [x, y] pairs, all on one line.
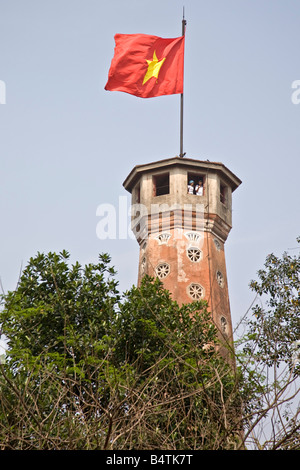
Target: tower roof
{"points": [[189, 163]]}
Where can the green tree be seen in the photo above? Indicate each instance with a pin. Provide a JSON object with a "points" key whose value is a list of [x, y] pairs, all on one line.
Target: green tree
{"points": [[87, 369], [270, 356], [275, 328], [57, 324]]}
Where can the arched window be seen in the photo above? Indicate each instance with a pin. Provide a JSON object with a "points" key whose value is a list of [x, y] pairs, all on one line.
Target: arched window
{"points": [[220, 279], [163, 238]]}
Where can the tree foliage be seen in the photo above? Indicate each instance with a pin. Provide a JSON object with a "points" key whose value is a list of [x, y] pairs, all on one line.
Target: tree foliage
{"points": [[88, 370], [271, 353], [275, 328]]}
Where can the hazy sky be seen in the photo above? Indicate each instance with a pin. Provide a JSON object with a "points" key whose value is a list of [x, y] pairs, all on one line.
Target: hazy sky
{"points": [[66, 144]]}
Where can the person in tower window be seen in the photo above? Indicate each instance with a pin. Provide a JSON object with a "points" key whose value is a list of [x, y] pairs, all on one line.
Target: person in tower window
{"points": [[190, 188], [199, 188]]}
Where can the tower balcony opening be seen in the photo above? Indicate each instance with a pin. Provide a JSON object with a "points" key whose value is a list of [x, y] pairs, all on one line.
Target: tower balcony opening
{"points": [[223, 194], [195, 184], [161, 184], [137, 194]]}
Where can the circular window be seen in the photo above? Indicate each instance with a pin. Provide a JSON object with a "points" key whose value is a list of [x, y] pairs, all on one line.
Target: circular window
{"points": [[195, 291], [162, 270], [194, 254]]}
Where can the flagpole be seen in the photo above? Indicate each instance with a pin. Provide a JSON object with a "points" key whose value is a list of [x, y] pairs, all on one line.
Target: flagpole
{"points": [[181, 99]]}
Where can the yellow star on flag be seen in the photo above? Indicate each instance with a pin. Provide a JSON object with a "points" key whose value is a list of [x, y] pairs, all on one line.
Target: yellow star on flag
{"points": [[154, 67]]}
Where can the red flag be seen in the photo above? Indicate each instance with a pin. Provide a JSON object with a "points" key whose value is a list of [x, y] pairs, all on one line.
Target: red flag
{"points": [[146, 66]]}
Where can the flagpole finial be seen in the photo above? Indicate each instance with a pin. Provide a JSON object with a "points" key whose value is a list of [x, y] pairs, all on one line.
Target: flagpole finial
{"points": [[183, 21]]}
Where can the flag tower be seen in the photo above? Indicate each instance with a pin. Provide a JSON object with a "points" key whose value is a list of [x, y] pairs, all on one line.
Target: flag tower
{"points": [[181, 234], [181, 229]]}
